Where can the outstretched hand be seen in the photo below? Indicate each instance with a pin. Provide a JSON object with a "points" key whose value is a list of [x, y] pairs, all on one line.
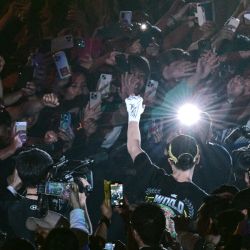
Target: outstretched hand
{"points": [[135, 107], [128, 85]]}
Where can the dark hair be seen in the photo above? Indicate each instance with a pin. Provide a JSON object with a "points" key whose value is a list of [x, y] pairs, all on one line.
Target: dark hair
{"points": [[226, 189], [183, 150], [33, 166], [61, 239], [17, 243], [172, 55], [149, 222], [139, 63]]}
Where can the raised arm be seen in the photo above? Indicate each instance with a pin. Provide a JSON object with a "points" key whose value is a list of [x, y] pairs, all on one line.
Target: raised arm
{"points": [[135, 109]]}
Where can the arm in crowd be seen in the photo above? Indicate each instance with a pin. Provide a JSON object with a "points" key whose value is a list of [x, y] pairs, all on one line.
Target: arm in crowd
{"points": [[169, 19], [33, 106], [175, 37], [242, 6], [135, 109], [105, 221], [11, 149], [79, 217]]}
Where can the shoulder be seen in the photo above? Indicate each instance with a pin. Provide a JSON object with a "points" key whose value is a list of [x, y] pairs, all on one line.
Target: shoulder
{"points": [[198, 190], [218, 148], [143, 159]]}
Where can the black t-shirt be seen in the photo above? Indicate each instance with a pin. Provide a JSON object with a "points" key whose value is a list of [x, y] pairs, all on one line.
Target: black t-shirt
{"points": [[175, 198], [18, 213]]}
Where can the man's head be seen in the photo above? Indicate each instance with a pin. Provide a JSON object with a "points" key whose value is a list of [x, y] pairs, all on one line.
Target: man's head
{"points": [[173, 57], [148, 222], [5, 128], [183, 152], [33, 166]]}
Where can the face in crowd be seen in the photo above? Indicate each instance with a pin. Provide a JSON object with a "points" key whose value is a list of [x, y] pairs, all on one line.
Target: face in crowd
{"points": [[77, 87], [235, 87], [140, 78]]}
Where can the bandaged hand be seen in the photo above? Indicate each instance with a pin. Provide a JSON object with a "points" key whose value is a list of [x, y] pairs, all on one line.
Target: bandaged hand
{"points": [[134, 108]]}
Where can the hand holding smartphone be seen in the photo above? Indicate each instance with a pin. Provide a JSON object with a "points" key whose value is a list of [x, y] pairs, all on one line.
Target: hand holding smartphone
{"points": [[116, 194], [113, 194]]}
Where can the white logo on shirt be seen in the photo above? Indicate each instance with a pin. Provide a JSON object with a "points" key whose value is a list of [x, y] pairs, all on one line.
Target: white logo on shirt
{"points": [[33, 207]]}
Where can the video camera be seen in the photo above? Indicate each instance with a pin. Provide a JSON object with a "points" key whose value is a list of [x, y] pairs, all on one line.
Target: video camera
{"points": [[242, 158], [237, 133], [54, 193]]}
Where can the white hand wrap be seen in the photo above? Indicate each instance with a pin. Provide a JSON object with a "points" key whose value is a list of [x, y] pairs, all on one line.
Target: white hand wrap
{"points": [[134, 108]]}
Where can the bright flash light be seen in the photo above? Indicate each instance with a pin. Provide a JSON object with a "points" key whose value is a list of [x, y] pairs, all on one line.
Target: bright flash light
{"points": [[143, 26], [188, 114]]}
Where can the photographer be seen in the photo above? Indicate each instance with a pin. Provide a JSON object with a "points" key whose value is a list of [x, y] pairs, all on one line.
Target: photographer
{"points": [[32, 167], [79, 221]]}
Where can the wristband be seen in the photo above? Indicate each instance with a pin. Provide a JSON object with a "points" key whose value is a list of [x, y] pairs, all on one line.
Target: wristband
{"points": [[134, 108]]}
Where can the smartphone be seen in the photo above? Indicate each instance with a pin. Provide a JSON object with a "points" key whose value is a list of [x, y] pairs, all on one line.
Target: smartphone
{"points": [[61, 43], [232, 24], [151, 89], [104, 85], [60, 189], [21, 130], [65, 121], [125, 17], [205, 12], [62, 64], [247, 18], [116, 194], [94, 98]]}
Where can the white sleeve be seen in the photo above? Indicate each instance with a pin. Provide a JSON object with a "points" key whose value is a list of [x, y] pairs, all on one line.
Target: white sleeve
{"points": [[77, 220]]}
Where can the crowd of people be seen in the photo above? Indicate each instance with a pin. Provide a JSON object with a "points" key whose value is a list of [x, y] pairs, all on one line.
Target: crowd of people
{"points": [[92, 90]]}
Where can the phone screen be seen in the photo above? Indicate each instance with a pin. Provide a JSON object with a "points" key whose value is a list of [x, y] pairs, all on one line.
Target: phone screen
{"points": [[65, 121], [21, 130], [56, 188], [116, 194]]}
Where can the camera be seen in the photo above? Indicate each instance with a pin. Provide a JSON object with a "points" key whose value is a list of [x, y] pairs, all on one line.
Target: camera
{"points": [[54, 193], [241, 158], [237, 133]]}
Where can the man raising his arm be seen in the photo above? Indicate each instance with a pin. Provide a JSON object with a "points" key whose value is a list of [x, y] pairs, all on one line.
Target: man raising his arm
{"points": [[176, 193]]}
